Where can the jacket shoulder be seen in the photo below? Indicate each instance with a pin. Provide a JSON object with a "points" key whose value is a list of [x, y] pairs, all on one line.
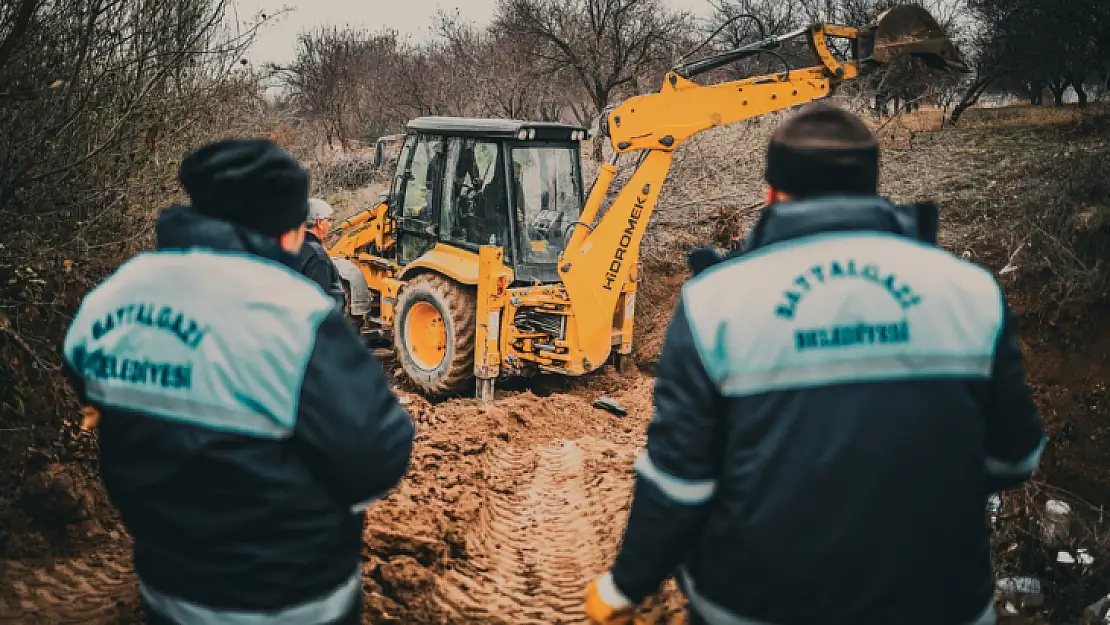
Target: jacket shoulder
{"points": [[842, 298], [313, 248], [215, 339], [243, 277]]}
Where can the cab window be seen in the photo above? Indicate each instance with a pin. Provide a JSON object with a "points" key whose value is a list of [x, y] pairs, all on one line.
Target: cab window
{"points": [[547, 199], [423, 174]]}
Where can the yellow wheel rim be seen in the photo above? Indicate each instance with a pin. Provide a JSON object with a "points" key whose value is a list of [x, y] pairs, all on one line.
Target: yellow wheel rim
{"points": [[426, 336]]}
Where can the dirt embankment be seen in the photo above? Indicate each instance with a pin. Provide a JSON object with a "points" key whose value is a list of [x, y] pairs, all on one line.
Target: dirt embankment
{"points": [[509, 509]]}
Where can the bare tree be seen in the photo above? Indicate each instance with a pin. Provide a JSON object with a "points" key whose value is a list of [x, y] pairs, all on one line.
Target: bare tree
{"points": [[82, 78], [99, 99], [500, 73], [346, 81], [735, 23], [1027, 47], [607, 46]]}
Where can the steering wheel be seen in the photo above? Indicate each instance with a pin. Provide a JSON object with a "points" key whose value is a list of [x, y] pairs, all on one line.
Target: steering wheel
{"points": [[541, 225]]}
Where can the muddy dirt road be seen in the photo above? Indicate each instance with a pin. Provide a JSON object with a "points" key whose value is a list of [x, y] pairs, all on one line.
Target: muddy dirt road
{"points": [[507, 512]]}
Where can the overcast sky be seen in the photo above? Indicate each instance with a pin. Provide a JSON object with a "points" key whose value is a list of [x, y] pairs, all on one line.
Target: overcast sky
{"points": [[277, 42]]}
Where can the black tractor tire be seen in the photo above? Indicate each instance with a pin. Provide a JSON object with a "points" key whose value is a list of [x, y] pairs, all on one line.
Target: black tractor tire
{"points": [[456, 305]]}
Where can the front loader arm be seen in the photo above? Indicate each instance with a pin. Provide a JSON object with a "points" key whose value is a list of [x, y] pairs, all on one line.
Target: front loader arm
{"points": [[368, 227], [599, 258]]}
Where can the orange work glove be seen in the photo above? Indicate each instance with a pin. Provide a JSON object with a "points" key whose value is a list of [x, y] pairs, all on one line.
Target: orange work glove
{"points": [[605, 605]]}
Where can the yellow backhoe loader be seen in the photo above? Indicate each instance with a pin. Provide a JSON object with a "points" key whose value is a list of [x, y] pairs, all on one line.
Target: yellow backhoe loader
{"points": [[488, 259]]}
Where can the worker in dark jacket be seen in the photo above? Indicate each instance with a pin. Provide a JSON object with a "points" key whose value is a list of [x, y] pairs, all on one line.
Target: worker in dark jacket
{"points": [[832, 410], [244, 428], [314, 262]]}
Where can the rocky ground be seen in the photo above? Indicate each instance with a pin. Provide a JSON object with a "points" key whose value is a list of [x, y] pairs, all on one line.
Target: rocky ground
{"points": [[510, 508]]}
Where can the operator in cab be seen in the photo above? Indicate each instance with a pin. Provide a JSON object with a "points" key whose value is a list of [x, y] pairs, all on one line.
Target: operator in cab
{"points": [[313, 260], [244, 427], [833, 409]]}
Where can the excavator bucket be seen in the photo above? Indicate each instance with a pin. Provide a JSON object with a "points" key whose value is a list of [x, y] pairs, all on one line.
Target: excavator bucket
{"points": [[911, 30]]}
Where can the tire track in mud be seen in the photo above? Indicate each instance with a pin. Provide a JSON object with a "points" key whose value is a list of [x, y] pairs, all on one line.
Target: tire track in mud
{"points": [[545, 529], [92, 590]]}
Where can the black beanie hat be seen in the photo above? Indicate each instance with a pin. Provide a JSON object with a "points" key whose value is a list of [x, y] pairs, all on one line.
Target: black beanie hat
{"points": [[823, 150], [249, 182]]}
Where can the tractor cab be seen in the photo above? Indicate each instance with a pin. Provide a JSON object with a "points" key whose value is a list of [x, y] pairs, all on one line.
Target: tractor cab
{"points": [[464, 183]]}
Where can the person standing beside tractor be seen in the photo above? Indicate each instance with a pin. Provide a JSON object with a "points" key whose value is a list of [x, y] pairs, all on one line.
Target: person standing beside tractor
{"points": [[244, 427], [314, 262], [833, 408]]}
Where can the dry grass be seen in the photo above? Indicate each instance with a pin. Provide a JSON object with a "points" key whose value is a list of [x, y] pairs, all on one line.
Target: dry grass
{"points": [[1027, 115], [932, 119]]}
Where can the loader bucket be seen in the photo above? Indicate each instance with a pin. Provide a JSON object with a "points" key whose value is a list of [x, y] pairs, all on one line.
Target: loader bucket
{"points": [[910, 30]]}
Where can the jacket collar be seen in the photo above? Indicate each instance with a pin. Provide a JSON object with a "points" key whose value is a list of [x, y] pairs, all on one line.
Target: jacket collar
{"points": [[182, 227], [785, 221]]}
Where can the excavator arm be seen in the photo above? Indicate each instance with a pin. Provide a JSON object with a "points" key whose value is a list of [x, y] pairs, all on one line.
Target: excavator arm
{"points": [[599, 257], [367, 227]]}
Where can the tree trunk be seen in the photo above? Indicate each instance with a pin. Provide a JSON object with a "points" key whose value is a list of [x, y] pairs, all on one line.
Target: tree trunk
{"points": [[1057, 97], [970, 97], [1080, 94], [599, 148], [19, 28], [1036, 93], [959, 110]]}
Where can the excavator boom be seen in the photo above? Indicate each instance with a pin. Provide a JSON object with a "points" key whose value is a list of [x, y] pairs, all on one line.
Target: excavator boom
{"points": [[599, 257]]}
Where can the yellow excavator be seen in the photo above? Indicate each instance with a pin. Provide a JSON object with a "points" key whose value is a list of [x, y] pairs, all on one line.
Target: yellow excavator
{"points": [[488, 259]]}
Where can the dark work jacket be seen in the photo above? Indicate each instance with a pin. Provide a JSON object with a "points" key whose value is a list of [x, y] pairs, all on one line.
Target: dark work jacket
{"points": [[244, 426], [314, 263], [832, 409]]}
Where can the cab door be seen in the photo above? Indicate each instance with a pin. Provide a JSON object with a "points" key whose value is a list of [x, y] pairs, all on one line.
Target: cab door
{"points": [[417, 195]]}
